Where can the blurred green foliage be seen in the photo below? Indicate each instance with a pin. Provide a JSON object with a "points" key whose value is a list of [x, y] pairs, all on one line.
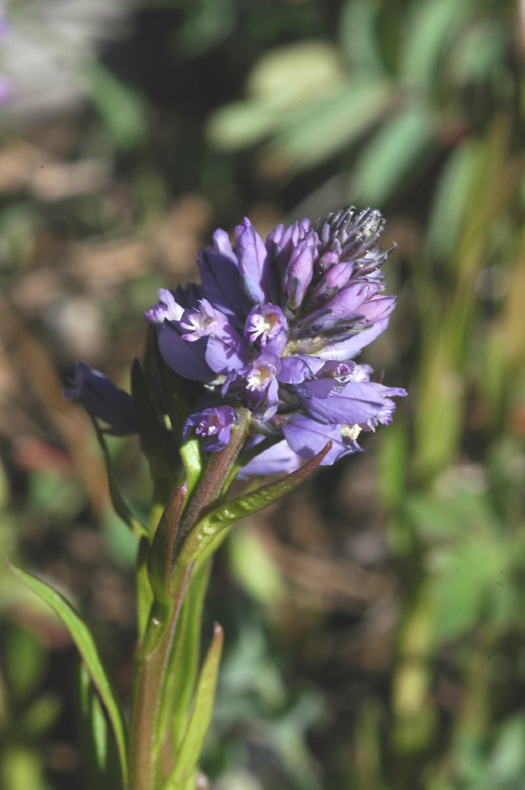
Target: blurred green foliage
{"points": [[412, 106]]}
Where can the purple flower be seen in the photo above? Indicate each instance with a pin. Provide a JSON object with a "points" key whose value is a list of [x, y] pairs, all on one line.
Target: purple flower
{"points": [[278, 459], [102, 399], [213, 425], [274, 327]]}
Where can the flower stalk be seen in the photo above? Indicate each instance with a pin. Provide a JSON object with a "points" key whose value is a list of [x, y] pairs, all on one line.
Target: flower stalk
{"points": [[250, 373]]}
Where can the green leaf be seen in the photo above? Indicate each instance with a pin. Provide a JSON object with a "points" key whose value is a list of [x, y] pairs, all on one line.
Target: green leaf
{"points": [[451, 199], [161, 554], [391, 154], [120, 108], [99, 755], [84, 641], [40, 716], [428, 36], [151, 434], [242, 124], [184, 661], [253, 566], [284, 80], [462, 583], [24, 662], [144, 591], [187, 759], [205, 537], [178, 410], [359, 36], [296, 74], [335, 122], [119, 503]]}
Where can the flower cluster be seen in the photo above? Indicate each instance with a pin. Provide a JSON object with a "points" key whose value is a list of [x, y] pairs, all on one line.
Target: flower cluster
{"points": [[274, 327]]}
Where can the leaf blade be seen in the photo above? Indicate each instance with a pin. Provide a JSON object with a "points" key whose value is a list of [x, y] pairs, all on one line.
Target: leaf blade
{"points": [[186, 764], [86, 646]]}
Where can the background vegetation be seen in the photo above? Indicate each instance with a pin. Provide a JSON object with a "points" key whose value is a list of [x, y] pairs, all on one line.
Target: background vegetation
{"points": [[374, 620]]}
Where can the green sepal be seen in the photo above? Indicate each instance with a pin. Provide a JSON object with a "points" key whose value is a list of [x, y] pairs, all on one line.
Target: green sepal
{"points": [[156, 443], [184, 661], [183, 775], [161, 554], [192, 460], [100, 760], [178, 411], [245, 457], [144, 591], [120, 505], [83, 639], [212, 529]]}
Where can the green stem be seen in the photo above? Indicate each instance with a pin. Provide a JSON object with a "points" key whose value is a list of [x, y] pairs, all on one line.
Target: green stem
{"points": [[157, 646], [211, 484], [149, 682]]}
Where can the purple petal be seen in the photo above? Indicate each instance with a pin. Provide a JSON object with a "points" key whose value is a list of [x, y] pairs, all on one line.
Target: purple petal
{"points": [[213, 426], [226, 351], [307, 437], [299, 273], [167, 308], [296, 369], [348, 348], [278, 459], [103, 399], [335, 278], [263, 371], [220, 276], [351, 404], [266, 324], [186, 359], [343, 305], [377, 308], [253, 263]]}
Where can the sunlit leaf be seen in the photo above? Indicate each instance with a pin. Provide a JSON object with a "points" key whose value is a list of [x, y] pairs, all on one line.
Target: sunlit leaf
{"points": [[84, 641], [333, 123], [121, 109], [462, 581], [453, 190], [161, 554], [187, 758], [358, 36], [99, 756], [391, 154], [300, 72], [119, 503], [428, 34], [208, 533]]}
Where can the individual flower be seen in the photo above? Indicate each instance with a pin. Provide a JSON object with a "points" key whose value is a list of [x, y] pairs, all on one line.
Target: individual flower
{"points": [[213, 425], [274, 327], [103, 400]]}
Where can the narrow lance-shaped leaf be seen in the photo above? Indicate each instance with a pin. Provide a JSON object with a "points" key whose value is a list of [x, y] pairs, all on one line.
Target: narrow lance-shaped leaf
{"points": [[99, 755], [187, 759], [184, 661], [153, 436], [160, 556], [144, 591], [204, 537], [84, 641], [119, 503], [178, 410]]}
